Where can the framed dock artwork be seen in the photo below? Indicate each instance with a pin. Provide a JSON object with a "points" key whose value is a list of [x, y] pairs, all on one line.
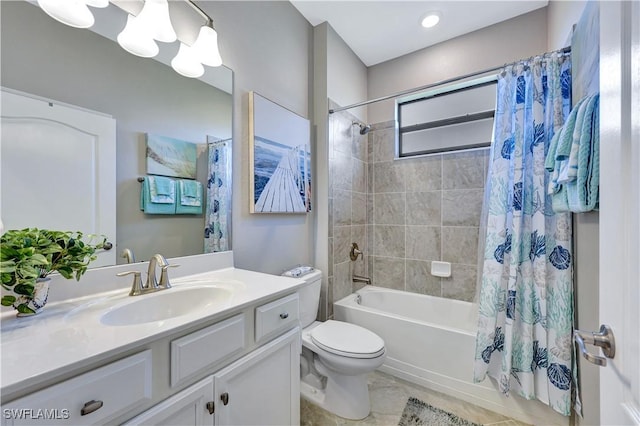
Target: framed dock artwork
{"points": [[280, 158]]}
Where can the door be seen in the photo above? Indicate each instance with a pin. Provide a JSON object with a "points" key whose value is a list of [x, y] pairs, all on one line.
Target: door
{"points": [[263, 388], [620, 209], [43, 185]]}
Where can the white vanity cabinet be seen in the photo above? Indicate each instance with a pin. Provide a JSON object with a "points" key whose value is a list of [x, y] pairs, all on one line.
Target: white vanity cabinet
{"points": [[91, 398], [261, 388], [186, 408], [239, 365]]}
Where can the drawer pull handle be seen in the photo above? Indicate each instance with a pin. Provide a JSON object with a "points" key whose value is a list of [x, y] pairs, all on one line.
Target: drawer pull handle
{"points": [[284, 315], [90, 407], [225, 398], [211, 406]]}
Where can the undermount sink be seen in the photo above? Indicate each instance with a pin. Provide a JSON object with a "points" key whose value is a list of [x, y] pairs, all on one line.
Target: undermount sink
{"points": [[164, 305]]}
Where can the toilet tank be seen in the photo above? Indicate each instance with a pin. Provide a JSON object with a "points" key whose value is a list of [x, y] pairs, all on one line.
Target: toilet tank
{"points": [[309, 295]]}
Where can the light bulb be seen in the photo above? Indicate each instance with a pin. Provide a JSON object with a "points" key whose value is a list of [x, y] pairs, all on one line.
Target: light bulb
{"points": [[206, 47], [74, 13], [186, 62], [155, 17], [135, 39]]}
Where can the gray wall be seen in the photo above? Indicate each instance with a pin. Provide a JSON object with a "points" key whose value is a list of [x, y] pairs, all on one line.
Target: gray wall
{"points": [[82, 68], [507, 41], [268, 45], [337, 72]]}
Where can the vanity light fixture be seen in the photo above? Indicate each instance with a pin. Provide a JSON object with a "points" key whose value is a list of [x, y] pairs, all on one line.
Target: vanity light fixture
{"points": [[430, 20], [141, 32], [206, 45], [152, 23], [74, 13], [136, 40], [186, 62], [155, 17]]}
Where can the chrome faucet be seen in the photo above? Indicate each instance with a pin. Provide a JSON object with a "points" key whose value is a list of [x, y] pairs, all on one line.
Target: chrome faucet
{"points": [[361, 279], [128, 255], [152, 284]]}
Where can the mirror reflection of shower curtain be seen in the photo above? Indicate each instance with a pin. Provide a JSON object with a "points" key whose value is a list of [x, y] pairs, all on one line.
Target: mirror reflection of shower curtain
{"points": [[217, 217]]}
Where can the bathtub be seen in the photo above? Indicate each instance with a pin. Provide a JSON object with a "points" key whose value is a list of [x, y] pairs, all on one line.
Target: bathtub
{"points": [[430, 341]]}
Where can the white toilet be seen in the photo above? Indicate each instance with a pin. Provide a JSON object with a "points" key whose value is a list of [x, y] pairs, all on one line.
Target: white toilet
{"points": [[336, 357]]}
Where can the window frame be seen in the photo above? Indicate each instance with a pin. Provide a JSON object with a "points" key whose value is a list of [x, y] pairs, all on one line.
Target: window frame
{"points": [[438, 92]]}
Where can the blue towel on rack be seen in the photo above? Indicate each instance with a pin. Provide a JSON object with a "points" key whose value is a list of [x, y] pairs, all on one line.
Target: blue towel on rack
{"points": [[573, 160], [162, 190], [583, 191], [557, 192], [158, 195], [565, 141], [581, 135], [189, 197]]}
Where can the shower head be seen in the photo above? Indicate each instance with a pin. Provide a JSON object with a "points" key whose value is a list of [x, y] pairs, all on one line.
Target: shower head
{"points": [[364, 128]]}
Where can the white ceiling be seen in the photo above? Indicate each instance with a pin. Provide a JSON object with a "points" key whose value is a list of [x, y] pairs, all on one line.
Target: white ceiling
{"points": [[380, 30]]}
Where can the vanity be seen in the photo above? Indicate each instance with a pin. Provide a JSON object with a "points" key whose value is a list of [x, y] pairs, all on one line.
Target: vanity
{"points": [[221, 347]]}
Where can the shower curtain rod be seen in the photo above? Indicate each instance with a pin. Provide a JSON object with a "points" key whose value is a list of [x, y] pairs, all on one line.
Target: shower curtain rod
{"points": [[439, 83]]}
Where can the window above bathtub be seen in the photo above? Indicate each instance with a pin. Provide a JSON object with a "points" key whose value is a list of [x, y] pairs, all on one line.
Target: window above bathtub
{"points": [[453, 118]]}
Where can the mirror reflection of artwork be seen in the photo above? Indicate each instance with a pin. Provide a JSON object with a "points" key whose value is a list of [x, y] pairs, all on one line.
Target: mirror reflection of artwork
{"points": [[170, 157], [281, 158]]}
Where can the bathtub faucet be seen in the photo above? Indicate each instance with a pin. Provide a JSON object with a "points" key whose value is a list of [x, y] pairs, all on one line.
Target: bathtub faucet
{"points": [[361, 279]]}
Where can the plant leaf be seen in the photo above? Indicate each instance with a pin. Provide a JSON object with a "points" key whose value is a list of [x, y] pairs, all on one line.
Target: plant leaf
{"points": [[8, 300]]}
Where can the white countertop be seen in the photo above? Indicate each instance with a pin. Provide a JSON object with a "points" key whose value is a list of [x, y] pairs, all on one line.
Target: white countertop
{"points": [[68, 335]]}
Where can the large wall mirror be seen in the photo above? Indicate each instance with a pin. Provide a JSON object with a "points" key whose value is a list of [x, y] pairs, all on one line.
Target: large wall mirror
{"points": [[88, 69]]}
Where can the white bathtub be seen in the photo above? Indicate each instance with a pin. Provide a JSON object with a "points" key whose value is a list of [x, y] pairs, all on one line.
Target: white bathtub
{"points": [[431, 341]]}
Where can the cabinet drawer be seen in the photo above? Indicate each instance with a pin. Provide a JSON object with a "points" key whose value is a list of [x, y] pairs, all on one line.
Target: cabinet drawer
{"points": [[279, 315], [205, 348], [113, 389]]}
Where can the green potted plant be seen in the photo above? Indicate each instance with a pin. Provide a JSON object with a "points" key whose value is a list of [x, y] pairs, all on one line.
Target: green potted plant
{"points": [[28, 256]]}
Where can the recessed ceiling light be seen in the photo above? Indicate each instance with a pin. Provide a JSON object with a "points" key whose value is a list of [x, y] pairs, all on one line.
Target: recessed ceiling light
{"points": [[431, 20]]}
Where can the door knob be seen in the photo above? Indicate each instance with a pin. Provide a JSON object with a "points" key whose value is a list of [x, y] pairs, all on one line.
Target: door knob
{"points": [[604, 339]]}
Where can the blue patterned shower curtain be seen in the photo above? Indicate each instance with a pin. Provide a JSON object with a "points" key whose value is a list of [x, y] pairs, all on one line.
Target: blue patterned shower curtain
{"points": [[216, 231], [524, 338]]}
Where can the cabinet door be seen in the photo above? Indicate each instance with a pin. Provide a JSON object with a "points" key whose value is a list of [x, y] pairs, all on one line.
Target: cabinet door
{"points": [[263, 388], [186, 408]]}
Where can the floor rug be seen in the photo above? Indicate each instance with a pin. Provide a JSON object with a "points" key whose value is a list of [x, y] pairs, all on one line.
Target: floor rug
{"points": [[417, 413]]}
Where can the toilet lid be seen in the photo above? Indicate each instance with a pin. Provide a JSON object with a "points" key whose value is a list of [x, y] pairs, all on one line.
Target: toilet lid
{"points": [[350, 340]]}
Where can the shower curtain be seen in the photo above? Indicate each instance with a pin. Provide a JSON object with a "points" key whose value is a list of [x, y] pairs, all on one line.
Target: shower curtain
{"points": [[216, 231], [524, 338]]}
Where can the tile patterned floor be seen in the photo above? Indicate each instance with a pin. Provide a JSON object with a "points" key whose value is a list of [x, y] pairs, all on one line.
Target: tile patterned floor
{"points": [[389, 395]]}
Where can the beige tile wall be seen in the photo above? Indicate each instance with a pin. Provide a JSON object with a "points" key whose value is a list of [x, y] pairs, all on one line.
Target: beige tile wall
{"points": [[423, 209], [403, 214], [348, 218]]}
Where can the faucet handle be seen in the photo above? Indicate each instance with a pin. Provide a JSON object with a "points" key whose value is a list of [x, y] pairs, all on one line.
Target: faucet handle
{"points": [[136, 287], [164, 275]]}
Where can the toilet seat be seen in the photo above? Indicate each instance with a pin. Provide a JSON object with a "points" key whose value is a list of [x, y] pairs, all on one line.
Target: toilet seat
{"points": [[348, 340]]}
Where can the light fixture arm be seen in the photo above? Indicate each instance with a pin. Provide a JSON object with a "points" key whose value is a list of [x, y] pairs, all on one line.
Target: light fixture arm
{"points": [[202, 13]]}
